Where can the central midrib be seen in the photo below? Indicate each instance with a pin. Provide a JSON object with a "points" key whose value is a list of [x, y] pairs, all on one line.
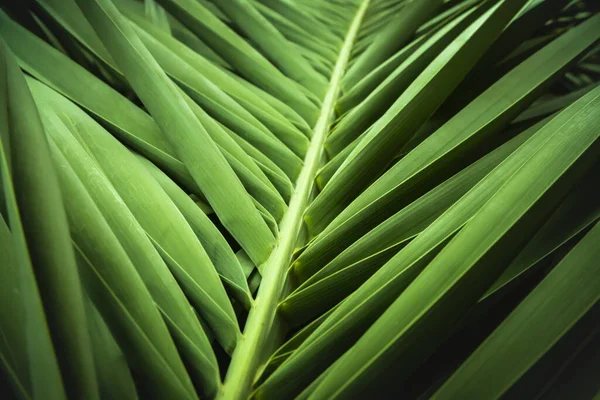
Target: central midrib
{"points": [[247, 355]]}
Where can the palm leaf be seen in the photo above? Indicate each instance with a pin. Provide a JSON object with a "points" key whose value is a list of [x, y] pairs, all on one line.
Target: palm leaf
{"points": [[299, 199], [551, 168], [235, 210], [43, 264], [543, 317], [167, 227], [114, 377], [118, 291], [479, 119]]}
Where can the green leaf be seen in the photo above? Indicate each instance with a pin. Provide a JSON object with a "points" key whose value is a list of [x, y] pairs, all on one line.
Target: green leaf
{"points": [[117, 113], [233, 49], [554, 306], [154, 272], [362, 308], [37, 209], [68, 14], [387, 137], [543, 107], [577, 212], [42, 378], [158, 218], [157, 15], [376, 191], [119, 293], [190, 139], [474, 258], [212, 240], [287, 349], [309, 42], [272, 44], [222, 107], [364, 87], [365, 114], [390, 39], [13, 344], [443, 151], [346, 261], [308, 24], [114, 377]]}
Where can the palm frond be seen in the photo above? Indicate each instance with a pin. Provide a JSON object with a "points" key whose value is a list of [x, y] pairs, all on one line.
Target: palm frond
{"points": [[272, 199]]}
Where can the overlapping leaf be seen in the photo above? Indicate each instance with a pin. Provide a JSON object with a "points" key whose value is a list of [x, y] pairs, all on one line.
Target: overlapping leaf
{"points": [[308, 199], [40, 264]]}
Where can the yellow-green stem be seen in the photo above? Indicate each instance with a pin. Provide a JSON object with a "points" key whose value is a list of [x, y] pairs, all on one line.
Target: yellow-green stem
{"points": [[248, 353]]}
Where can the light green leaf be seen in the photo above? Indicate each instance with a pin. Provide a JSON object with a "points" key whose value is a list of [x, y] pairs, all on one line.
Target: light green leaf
{"points": [[119, 293], [390, 39], [475, 257], [158, 217], [418, 102], [185, 133], [346, 262], [441, 153], [212, 240], [238, 53]]}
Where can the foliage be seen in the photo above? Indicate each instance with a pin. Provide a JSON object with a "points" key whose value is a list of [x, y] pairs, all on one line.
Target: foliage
{"points": [[273, 199]]}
